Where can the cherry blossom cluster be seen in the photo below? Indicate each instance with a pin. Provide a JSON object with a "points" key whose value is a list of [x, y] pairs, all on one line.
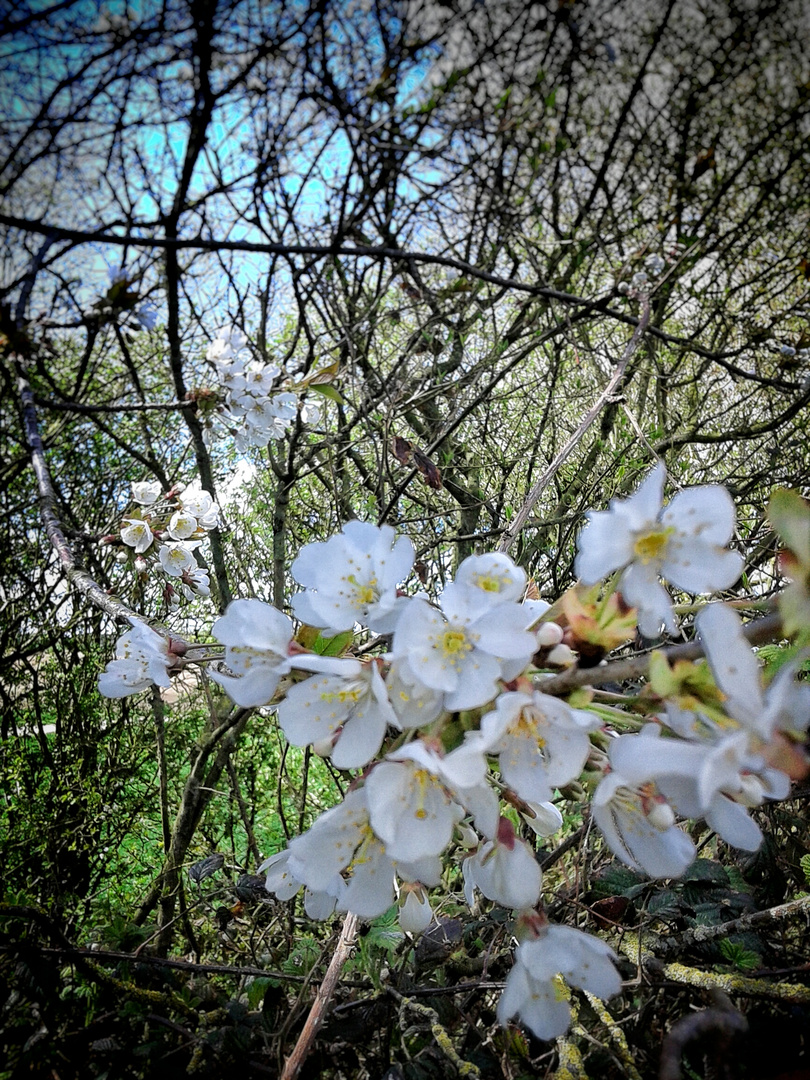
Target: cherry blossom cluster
{"points": [[256, 408], [166, 531], [455, 746]]}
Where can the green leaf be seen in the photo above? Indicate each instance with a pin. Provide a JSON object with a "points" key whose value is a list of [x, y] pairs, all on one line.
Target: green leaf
{"points": [[789, 514], [618, 880], [333, 646], [708, 871], [327, 391], [804, 863], [258, 988], [312, 638], [743, 959]]}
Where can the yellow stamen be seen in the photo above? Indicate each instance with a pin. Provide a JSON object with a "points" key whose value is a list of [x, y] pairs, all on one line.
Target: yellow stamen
{"points": [[488, 584], [454, 642], [651, 546]]}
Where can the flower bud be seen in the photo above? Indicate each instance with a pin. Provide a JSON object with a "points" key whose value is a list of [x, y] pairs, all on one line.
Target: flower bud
{"points": [[752, 792], [561, 656], [415, 912], [121, 557], [661, 815], [549, 634], [468, 835]]}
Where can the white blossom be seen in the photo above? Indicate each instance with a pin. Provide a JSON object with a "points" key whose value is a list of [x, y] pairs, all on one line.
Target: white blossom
{"points": [[533, 991], [544, 819], [329, 846], [182, 525], [505, 870], [639, 827], [142, 660], [146, 492], [351, 710], [464, 648], [549, 635], [198, 503], [310, 412], [410, 808], [136, 534], [541, 742], [176, 559], [284, 885], [258, 649], [195, 582], [228, 342], [352, 578], [683, 542], [715, 780], [490, 580], [342, 840], [415, 912]]}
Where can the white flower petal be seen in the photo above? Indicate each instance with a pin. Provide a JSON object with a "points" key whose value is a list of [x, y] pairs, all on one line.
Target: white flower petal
{"points": [[501, 633], [699, 567], [370, 890], [410, 810], [731, 822], [476, 683], [732, 660], [642, 590], [256, 625], [706, 513], [250, 690], [537, 1004], [604, 545]]}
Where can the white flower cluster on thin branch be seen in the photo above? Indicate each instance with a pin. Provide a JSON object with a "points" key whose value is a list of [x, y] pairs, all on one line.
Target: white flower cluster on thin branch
{"points": [[454, 745], [257, 408], [165, 531]]}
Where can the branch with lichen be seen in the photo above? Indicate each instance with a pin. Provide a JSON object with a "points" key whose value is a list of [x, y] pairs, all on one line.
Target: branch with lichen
{"points": [[698, 935], [443, 1040], [617, 1036], [645, 958]]}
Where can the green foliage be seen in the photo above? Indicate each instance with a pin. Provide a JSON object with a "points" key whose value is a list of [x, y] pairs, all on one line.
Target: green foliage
{"points": [[304, 956], [742, 959]]}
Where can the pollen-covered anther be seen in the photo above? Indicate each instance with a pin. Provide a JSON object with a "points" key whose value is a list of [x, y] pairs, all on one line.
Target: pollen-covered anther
{"points": [[454, 645], [650, 546], [491, 582]]}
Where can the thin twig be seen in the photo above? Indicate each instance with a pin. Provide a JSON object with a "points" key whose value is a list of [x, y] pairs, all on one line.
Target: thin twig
{"points": [[295, 1061], [77, 577], [756, 632], [146, 406]]}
